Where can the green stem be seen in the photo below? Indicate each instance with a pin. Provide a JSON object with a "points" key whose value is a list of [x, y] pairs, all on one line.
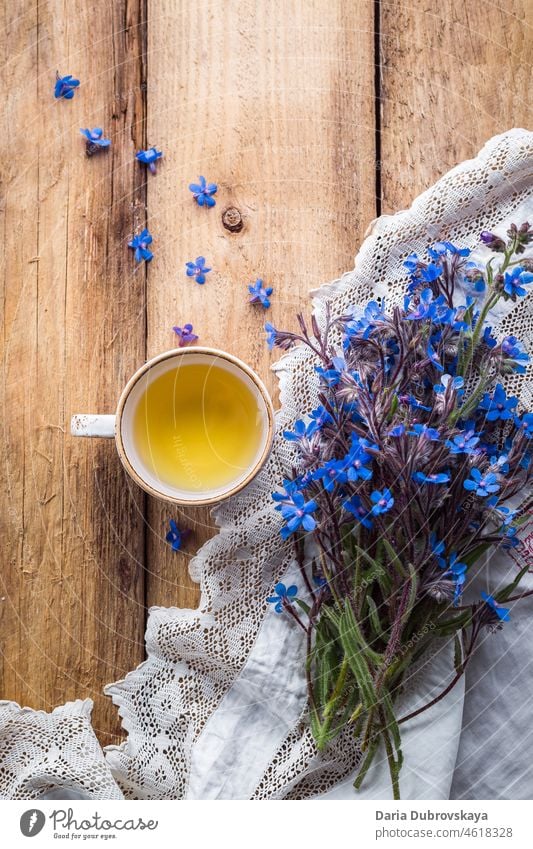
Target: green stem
{"points": [[393, 767]]}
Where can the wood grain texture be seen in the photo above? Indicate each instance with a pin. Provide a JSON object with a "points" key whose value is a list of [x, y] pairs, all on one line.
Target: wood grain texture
{"points": [[453, 74], [72, 613], [274, 101]]}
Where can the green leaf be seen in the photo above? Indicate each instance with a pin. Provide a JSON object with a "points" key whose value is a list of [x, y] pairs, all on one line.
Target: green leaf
{"points": [[356, 659], [503, 595], [373, 616], [457, 654], [395, 560]]}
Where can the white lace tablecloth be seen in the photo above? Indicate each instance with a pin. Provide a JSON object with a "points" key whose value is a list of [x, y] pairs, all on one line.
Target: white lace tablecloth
{"points": [[217, 711]]}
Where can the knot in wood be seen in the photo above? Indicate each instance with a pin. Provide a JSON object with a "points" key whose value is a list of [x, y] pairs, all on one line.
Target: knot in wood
{"points": [[232, 219]]}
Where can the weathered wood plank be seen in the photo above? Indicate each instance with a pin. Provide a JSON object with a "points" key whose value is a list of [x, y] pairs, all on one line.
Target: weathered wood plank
{"points": [[72, 614], [274, 102], [453, 74]]}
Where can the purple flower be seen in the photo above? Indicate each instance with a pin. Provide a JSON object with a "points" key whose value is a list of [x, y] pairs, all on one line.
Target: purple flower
{"points": [[65, 87], [492, 241], [175, 537], [499, 406], [185, 334], [503, 613], [203, 192], [283, 595], [140, 244], [515, 280], [94, 140], [260, 294], [297, 514], [354, 505], [482, 485], [197, 269], [381, 501], [434, 478], [149, 157]]}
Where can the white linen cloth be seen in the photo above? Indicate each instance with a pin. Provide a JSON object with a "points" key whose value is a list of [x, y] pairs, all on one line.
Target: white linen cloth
{"points": [[218, 708]]}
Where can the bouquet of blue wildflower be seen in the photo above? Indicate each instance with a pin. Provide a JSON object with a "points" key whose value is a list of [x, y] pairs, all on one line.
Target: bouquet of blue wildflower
{"points": [[402, 482]]}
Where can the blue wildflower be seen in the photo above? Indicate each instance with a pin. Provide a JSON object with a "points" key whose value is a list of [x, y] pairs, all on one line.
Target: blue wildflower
{"points": [[332, 376], [140, 244], [503, 613], [363, 326], [283, 595], [65, 87], [381, 501], [301, 431], [203, 192], [425, 432], [463, 443], [414, 402], [499, 406], [457, 571], [437, 547], [474, 280], [197, 269], [439, 249], [488, 338], [397, 430], [434, 478], [271, 334], [319, 580], [149, 157], [355, 506], [289, 488], [514, 354], [175, 536], [356, 462], [515, 280], [319, 418], [331, 473], [424, 307], [447, 381], [525, 424], [434, 357], [297, 513], [481, 484], [94, 140], [260, 294], [185, 334]]}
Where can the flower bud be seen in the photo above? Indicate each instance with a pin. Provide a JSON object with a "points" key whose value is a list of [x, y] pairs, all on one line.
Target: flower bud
{"points": [[492, 241]]}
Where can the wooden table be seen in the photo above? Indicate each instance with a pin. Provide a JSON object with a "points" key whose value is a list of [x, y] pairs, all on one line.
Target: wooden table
{"points": [[313, 116]]}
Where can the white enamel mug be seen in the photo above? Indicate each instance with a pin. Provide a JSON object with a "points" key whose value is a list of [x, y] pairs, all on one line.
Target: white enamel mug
{"points": [[120, 425]]}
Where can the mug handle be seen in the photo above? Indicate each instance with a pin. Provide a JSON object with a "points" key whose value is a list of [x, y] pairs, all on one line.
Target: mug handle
{"points": [[85, 424]]}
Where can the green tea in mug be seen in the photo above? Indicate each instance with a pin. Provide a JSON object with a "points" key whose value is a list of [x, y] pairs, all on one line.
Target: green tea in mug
{"points": [[197, 427]]}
